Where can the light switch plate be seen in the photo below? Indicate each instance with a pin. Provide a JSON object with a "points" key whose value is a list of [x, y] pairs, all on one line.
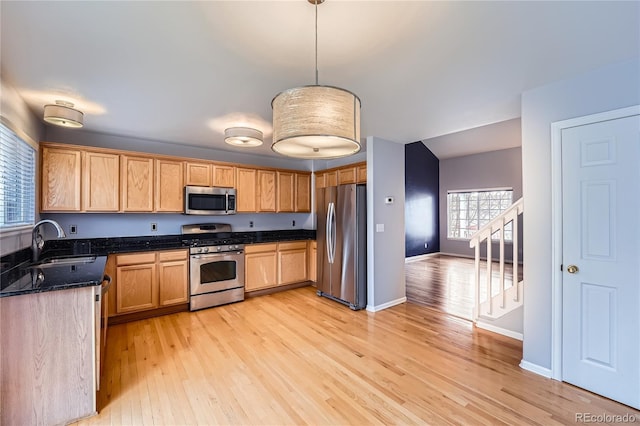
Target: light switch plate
{"points": [[379, 227]]}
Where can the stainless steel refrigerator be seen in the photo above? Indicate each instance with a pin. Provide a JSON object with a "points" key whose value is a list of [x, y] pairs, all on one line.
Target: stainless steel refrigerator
{"points": [[342, 244]]}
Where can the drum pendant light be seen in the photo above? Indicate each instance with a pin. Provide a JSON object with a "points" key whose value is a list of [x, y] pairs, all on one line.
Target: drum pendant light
{"points": [[316, 122]]}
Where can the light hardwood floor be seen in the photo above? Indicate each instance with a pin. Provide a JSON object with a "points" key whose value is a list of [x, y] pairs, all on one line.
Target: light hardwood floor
{"points": [[446, 283], [296, 358]]}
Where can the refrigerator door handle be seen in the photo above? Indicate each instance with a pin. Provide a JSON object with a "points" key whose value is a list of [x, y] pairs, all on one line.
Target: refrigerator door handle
{"points": [[333, 232], [328, 233]]}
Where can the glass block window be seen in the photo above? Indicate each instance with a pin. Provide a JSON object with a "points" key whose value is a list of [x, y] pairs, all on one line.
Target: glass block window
{"points": [[17, 180], [468, 211]]}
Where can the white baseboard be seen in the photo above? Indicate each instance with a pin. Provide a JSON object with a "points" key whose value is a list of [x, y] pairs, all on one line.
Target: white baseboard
{"points": [[499, 330], [386, 305], [534, 368], [420, 257]]}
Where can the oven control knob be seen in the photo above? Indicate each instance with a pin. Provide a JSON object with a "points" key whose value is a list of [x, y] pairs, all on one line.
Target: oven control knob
{"points": [[219, 248], [205, 250], [199, 250], [233, 247]]}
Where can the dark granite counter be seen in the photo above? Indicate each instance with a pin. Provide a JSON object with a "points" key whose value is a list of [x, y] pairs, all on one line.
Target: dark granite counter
{"points": [[18, 277], [26, 278]]}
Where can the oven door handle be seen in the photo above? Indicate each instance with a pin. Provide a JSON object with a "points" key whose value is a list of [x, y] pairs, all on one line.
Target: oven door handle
{"points": [[213, 255]]}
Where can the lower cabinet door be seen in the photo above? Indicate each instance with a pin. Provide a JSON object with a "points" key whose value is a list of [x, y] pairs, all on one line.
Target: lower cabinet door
{"points": [[260, 270], [173, 278], [136, 289]]}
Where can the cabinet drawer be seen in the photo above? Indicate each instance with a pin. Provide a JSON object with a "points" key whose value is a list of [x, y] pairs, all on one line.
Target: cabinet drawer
{"points": [[135, 258], [167, 256], [293, 245], [260, 248]]}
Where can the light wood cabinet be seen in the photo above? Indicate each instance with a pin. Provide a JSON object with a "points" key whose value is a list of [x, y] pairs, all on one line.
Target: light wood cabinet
{"points": [[292, 262], [173, 277], [169, 186], [313, 261], [246, 190], [320, 180], [266, 181], [346, 175], [150, 280], [136, 177], [224, 176], [60, 187], [303, 193], [261, 265], [198, 174], [286, 191], [331, 179], [100, 182], [362, 173]]}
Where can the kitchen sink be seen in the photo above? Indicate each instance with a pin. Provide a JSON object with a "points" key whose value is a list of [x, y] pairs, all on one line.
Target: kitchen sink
{"points": [[61, 261]]}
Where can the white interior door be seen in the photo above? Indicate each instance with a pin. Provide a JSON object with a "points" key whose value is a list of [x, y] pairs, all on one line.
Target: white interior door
{"points": [[601, 258]]}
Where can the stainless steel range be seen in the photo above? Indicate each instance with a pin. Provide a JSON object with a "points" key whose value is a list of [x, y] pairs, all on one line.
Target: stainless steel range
{"points": [[216, 266]]}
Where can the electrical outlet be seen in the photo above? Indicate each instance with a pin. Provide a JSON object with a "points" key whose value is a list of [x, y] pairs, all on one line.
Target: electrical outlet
{"points": [[73, 229], [426, 245], [250, 224], [294, 223], [154, 226]]}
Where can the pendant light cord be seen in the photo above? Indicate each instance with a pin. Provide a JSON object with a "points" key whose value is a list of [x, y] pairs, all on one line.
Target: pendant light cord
{"points": [[316, 3]]}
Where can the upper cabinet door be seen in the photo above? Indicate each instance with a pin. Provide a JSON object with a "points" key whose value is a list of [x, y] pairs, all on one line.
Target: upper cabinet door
{"points": [[224, 176], [137, 183], [169, 186], [362, 173], [60, 179], [100, 182], [286, 191], [346, 175], [245, 190], [266, 191], [303, 193], [198, 174]]}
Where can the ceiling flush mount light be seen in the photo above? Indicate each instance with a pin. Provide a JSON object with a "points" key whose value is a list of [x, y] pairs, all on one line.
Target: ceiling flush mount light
{"points": [[63, 114], [243, 136], [316, 122]]}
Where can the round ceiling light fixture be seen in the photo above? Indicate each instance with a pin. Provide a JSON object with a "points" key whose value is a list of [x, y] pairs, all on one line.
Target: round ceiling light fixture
{"points": [[63, 114], [243, 136]]}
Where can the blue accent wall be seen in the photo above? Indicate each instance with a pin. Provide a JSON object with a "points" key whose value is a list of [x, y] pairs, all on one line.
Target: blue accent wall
{"points": [[422, 186]]}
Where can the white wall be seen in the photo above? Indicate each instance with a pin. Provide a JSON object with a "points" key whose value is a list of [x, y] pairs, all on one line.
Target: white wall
{"points": [[19, 118], [611, 87], [385, 250]]}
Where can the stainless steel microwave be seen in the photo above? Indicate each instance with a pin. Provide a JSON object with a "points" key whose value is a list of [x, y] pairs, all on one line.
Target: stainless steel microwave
{"points": [[209, 201]]}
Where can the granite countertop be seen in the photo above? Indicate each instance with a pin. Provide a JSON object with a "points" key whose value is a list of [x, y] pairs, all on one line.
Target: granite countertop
{"points": [[27, 278], [18, 276]]}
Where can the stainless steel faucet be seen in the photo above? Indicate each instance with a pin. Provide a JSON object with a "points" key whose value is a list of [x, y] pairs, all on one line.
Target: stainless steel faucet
{"points": [[37, 242]]}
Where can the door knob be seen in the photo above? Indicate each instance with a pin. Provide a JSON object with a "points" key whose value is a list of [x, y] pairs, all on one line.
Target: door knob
{"points": [[572, 269]]}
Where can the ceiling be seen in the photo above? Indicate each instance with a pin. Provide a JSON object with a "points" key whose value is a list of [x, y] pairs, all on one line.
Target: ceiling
{"points": [[182, 72]]}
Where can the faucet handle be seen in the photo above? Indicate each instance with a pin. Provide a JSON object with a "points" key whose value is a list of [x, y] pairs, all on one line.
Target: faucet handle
{"points": [[39, 241]]}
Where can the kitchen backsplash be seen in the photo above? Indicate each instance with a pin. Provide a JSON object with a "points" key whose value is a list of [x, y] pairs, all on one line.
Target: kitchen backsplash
{"points": [[90, 225]]}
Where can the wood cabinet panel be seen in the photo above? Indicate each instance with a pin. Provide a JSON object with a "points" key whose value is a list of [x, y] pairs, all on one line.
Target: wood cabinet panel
{"points": [[224, 176], [320, 180], [266, 190], [313, 261], [261, 270], [246, 190], [286, 191], [362, 173], [292, 264], [346, 175], [331, 179], [135, 258], [137, 288], [198, 174], [172, 282], [100, 182], [261, 248], [136, 177], [303, 193], [61, 170], [169, 186]]}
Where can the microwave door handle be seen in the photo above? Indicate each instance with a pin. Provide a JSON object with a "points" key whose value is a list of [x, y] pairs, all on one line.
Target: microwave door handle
{"points": [[226, 201]]}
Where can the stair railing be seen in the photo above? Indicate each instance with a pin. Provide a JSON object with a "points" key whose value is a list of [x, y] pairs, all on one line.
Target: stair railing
{"points": [[484, 235]]}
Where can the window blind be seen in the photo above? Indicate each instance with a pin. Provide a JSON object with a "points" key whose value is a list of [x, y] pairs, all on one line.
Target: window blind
{"points": [[17, 180]]}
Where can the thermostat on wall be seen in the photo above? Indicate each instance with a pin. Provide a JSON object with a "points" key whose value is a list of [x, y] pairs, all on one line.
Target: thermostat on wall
{"points": [[388, 200]]}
